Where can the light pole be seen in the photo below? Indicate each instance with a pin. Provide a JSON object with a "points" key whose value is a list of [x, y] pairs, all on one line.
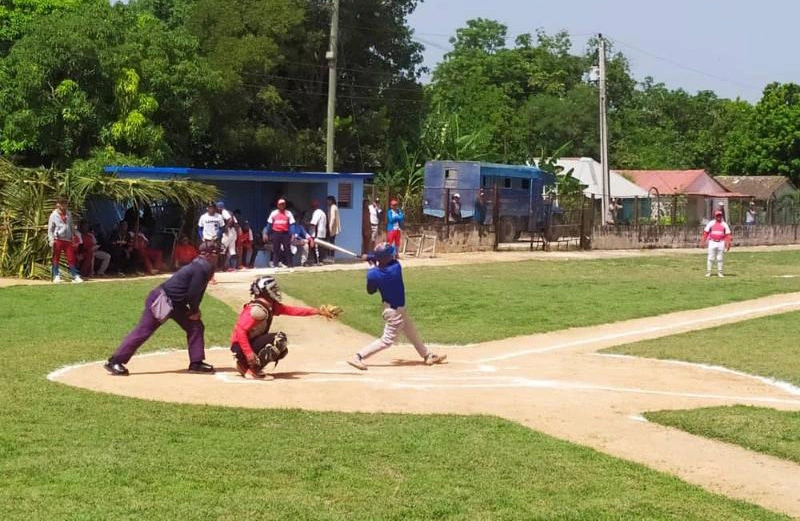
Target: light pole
{"points": [[331, 55]]}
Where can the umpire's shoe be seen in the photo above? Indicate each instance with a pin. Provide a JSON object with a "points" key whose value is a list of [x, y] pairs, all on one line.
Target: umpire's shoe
{"points": [[200, 367], [115, 368]]}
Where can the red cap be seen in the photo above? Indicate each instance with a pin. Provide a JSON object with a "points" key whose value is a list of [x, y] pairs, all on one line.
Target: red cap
{"points": [[717, 213], [393, 202]]}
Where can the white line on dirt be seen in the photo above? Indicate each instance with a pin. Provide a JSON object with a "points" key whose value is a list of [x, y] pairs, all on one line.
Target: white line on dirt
{"points": [[654, 329], [779, 384]]}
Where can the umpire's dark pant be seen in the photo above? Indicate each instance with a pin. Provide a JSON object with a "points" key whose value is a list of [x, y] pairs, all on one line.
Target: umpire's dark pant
{"points": [[282, 248]]}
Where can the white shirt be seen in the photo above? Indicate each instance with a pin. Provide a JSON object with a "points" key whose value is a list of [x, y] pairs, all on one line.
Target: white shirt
{"points": [[374, 214], [320, 221], [334, 224], [211, 225]]}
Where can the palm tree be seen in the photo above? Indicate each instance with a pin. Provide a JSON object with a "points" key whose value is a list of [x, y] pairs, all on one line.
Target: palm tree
{"points": [[28, 196]]}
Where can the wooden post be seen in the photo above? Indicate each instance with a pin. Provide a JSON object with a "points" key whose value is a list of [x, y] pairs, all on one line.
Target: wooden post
{"points": [[447, 213], [636, 211], [495, 217]]}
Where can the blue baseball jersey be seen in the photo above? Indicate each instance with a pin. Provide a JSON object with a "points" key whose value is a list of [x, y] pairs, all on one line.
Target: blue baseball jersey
{"points": [[389, 281]]}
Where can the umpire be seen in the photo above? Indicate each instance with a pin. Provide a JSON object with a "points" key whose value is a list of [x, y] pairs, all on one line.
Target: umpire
{"points": [[179, 299]]}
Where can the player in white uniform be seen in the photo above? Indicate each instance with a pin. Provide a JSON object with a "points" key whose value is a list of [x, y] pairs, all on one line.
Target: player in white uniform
{"points": [[719, 236]]}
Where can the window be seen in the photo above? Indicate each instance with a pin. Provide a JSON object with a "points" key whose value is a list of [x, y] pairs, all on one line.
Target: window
{"points": [[526, 184], [345, 196], [506, 182], [451, 178]]}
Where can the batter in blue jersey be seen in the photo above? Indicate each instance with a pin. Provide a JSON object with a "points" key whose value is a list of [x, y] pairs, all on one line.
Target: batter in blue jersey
{"points": [[386, 277]]}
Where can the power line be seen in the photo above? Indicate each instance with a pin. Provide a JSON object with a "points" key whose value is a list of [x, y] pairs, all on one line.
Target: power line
{"points": [[686, 67]]}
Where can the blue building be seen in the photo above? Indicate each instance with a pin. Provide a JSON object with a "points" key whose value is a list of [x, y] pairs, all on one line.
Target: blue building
{"points": [[255, 193]]}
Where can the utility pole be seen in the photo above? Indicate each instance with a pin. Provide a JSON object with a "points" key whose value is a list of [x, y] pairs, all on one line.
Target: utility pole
{"points": [[601, 58], [331, 55]]}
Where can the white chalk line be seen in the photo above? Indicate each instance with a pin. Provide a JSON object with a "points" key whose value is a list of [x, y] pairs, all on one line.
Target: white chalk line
{"points": [[636, 332], [772, 382]]}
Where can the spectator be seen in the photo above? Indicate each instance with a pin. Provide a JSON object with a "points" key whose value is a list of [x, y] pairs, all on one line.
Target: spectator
{"points": [[211, 225], [613, 210], [455, 208], [91, 252], [751, 216], [375, 214], [721, 208], [121, 248], [394, 224], [279, 226], [151, 258], [244, 245], [184, 253], [302, 242], [229, 239], [334, 225], [318, 228], [480, 208], [60, 235]]}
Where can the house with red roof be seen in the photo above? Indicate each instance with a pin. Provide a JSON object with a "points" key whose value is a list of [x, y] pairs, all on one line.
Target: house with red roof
{"points": [[695, 192]]}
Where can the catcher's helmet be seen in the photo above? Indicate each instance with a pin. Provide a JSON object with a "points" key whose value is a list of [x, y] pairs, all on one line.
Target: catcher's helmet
{"points": [[385, 250], [266, 287]]}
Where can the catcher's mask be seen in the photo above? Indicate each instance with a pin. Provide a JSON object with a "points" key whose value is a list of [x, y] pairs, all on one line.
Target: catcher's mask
{"points": [[266, 287]]}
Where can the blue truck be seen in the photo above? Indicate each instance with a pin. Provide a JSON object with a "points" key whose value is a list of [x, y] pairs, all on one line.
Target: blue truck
{"points": [[521, 204]]}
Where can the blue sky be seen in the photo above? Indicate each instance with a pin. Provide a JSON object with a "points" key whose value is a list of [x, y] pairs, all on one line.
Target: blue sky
{"points": [[732, 47]]}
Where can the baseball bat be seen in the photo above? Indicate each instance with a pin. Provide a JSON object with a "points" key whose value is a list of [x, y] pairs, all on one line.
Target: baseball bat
{"points": [[326, 244]]}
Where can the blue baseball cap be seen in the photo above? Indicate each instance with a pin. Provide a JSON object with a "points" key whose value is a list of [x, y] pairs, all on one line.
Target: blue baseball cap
{"points": [[385, 250], [220, 204]]}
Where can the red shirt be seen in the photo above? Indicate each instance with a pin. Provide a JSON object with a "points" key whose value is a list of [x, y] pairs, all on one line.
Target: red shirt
{"points": [[185, 253]]}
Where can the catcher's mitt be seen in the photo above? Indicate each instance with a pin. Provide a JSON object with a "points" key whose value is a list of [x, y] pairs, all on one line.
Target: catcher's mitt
{"points": [[329, 311]]}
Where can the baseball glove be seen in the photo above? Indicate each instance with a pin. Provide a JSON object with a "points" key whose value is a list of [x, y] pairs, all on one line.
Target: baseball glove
{"points": [[329, 311]]}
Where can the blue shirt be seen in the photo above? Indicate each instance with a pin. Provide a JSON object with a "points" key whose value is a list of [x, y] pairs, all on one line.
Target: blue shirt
{"points": [[389, 281], [394, 220]]}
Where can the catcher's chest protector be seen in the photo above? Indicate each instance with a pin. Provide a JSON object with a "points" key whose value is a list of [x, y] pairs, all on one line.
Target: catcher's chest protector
{"points": [[262, 314]]}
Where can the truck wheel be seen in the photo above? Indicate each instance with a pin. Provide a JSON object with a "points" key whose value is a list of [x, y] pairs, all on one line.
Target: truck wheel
{"points": [[553, 232], [507, 229]]}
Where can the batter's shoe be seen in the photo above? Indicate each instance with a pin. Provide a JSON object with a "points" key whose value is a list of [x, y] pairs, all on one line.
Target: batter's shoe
{"points": [[720, 275], [200, 367], [433, 358], [708, 274], [116, 369], [358, 362]]}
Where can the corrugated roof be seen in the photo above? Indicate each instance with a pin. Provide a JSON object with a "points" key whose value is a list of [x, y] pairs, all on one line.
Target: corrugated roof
{"points": [[761, 187], [589, 172], [679, 182], [157, 172]]}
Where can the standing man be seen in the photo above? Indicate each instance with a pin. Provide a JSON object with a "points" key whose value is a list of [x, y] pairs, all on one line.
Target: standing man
{"points": [[750, 217], [375, 214], [279, 225], [719, 237], [394, 224], [318, 227], [179, 299], [480, 208], [60, 235], [455, 208], [334, 224], [386, 276], [211, 225]]}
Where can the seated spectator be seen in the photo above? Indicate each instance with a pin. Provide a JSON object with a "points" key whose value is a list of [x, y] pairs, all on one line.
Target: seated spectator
{"points": [[121, 249], [150, 257], [184, 253], [90, 252], [301, 244], [244, 245]]}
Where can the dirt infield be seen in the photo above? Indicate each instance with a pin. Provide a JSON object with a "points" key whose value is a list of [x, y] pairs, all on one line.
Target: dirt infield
{"points": [[555, 383]]}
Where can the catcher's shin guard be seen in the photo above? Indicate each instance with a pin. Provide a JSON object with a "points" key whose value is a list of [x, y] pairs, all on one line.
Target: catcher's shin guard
{"points": [[274, 352]]}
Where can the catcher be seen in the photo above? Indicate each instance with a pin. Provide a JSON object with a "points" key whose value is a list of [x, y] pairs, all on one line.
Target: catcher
{"points": [[252, 344]]}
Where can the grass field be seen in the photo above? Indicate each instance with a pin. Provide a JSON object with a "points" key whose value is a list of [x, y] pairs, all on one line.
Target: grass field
{"points": [[480, 302], [765, 347], [72, 454], [755, 428]]}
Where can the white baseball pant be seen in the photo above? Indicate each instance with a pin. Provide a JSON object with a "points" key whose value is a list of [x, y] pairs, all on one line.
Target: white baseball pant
{"points": [[715, 252], [397, 321]]}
